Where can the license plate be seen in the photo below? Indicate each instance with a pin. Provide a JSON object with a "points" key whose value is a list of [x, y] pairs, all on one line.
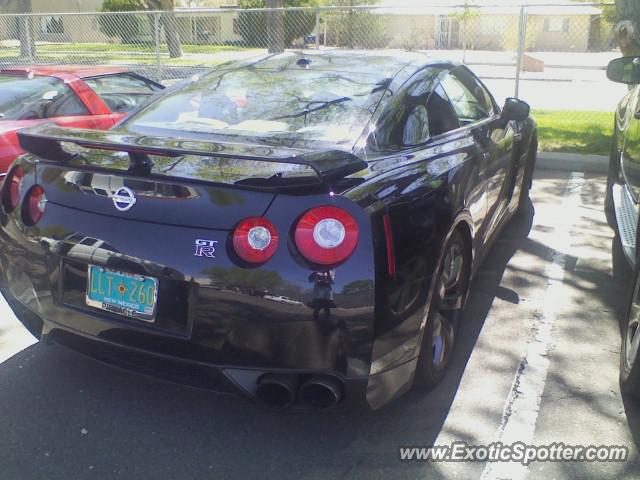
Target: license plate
{"points": [[122, 293]]}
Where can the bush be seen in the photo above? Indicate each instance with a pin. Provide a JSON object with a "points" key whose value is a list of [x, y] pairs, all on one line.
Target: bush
{"points": [[253, 26], [124, 27], [359, 29]]}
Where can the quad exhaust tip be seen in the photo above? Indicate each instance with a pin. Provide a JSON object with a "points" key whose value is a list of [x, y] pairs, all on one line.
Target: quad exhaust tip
{"points": [[320, 392], [277, 391], [281, 391]]}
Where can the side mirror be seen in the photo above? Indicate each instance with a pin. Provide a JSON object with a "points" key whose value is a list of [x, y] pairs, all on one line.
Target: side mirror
{"points": [[515, 109], [624, 70]]}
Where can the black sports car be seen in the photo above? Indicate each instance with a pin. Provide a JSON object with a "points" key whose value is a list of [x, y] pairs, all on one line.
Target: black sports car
{"points": [[301, 228]]}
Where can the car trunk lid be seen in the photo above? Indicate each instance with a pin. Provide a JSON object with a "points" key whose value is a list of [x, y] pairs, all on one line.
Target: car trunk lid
{"points": [[173, 181]]}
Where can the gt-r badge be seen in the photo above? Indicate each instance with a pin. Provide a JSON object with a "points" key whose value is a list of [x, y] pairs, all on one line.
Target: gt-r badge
{"points": [[124, 199], [205, 248]]}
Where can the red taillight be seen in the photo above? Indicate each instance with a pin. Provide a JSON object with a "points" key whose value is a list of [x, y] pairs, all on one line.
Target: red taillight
{"points": [[35, 203], [326, 235], [13, 184], [255, 240]]}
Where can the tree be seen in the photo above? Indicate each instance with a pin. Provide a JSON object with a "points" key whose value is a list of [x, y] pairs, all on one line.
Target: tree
{"points": [[23, 26], [357, 28], [465, 17], [275, 30], [125, 27], [626, 31], [168, 21]]}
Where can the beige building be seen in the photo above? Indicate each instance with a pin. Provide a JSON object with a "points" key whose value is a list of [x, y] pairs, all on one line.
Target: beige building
{"points": [[46, 26], [206, 3], [549, 28], [49, 27]]}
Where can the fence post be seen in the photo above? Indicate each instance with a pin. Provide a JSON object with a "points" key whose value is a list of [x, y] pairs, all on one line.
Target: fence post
{"points": [[522, 36], [156, 36], [318, 27]]}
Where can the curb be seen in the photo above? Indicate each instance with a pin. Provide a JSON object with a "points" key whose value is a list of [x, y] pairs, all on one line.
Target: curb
{"points": [[571, 162]]}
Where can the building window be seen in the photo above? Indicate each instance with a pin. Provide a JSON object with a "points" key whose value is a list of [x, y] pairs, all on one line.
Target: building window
{"points": [[51, 25], [556, 24], [237, 28]]}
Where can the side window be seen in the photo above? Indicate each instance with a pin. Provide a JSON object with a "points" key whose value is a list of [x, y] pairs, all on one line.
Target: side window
{"points": [[66, 103], [406, 120], [122, 92], [469, 98], [420, 111], [443, 116], [431, 114], [416, 128]]}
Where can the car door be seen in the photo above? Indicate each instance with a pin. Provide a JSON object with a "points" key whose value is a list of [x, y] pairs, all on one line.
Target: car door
{"points": [[424, 115], [494, 139]]}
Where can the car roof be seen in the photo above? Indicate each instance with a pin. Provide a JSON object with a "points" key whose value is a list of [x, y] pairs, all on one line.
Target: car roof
{"points": [[383, 63], [79, 71]]}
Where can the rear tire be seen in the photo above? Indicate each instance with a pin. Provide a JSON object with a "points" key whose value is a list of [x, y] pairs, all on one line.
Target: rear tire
{"points": [[629, 352], [448, 297]]}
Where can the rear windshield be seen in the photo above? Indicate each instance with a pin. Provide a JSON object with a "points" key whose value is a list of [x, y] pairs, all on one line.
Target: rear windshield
{"points": [[36, 97], [299, 104]]}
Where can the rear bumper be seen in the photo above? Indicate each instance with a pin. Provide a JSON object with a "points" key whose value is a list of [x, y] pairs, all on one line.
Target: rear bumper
{"points": [[360, 392], [218, 324]]}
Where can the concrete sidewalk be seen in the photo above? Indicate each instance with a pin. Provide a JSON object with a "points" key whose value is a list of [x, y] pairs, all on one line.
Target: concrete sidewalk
{"points": [[572, 162]]}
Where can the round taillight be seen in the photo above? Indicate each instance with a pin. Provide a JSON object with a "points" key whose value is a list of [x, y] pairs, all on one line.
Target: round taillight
{"points": [[326, 235], [35, 204], [12, 189], [255, 240]]}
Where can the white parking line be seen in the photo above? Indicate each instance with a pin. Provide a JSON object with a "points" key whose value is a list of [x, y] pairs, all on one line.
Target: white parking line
{"points": [[13, 336], [520, 412]]}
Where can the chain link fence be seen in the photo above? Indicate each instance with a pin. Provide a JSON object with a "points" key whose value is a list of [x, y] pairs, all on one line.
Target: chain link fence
{"points": [[553, 56]]}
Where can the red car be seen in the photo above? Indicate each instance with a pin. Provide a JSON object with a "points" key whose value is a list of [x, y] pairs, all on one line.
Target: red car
{"points": [[84, 97]]}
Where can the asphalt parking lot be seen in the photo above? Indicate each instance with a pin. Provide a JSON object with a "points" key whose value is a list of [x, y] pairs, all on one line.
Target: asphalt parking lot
{"points": [[537, 361]]}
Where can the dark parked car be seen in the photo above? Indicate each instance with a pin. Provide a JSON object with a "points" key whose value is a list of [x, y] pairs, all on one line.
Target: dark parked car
{"points": [[621, 207], [360, 190]]}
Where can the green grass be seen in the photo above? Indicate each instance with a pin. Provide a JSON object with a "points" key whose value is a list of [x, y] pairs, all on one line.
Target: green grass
{"points": [[109, 52], [106, 48], [574, 131]]}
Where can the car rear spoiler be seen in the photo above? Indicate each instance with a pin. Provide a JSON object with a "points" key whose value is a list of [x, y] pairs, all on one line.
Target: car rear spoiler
{"points": [[46, 141]]}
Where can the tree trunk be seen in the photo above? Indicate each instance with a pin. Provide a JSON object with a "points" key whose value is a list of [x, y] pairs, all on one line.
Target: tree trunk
{"points": [[24, 28], [168, 21], [626, 32], [171, 32], [275, 27]]}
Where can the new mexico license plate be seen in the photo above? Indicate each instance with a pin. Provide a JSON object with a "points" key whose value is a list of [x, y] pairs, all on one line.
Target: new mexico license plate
{"points": [[122, 293]]}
